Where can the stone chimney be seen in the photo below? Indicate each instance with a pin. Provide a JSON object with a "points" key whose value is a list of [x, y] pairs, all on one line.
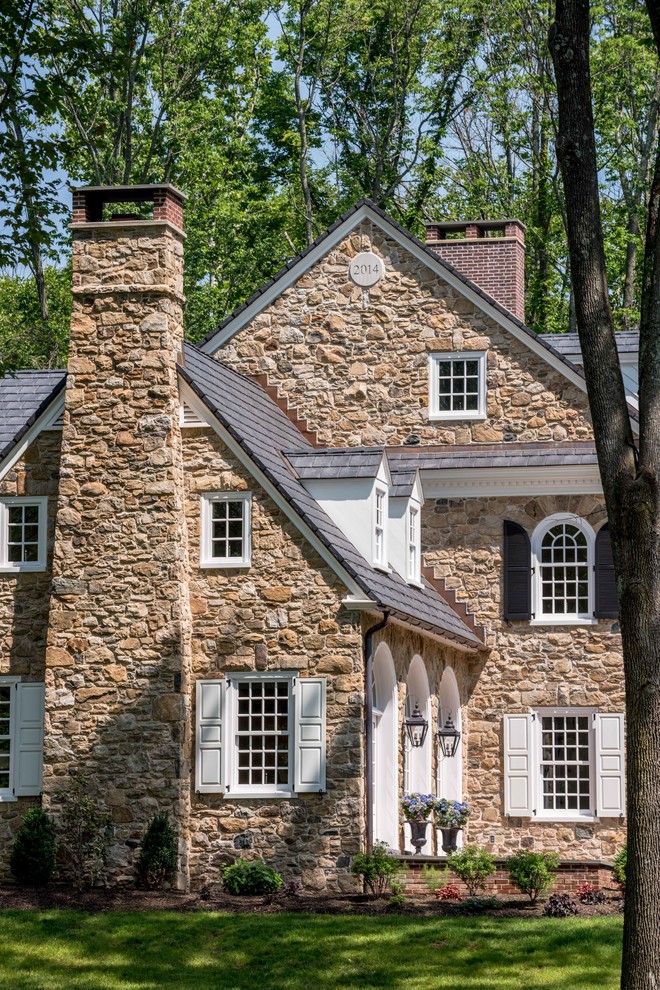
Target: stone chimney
{"points": [[118, 653], [489, 252]]}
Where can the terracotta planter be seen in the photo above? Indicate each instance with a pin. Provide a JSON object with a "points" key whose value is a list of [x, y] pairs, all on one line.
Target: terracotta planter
{"points": [[449, 836], [418, 833]]}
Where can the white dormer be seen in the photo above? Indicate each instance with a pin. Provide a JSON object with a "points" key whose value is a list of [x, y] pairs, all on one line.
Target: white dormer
{"points": [[405, 533], [356, 497]]}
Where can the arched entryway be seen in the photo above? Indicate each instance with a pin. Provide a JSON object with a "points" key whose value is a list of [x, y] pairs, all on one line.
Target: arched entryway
{"points": [[450, 769], [417, 762], [385, 767]]}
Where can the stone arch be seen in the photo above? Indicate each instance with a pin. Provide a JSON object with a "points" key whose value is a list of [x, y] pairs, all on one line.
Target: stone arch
{"points": [[385, 762], [450, 770], [418, 761]]}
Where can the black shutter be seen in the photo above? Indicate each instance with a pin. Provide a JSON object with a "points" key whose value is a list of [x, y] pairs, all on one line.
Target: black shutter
{"points": [[517, 572], [607, 605]]}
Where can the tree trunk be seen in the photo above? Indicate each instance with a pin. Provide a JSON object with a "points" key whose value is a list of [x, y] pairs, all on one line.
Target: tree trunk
{"points": [[629, 479]]}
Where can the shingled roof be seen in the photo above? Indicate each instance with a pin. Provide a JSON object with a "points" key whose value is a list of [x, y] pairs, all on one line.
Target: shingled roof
{"points": [[335, 462], [24, 396], [568, 344], [263, 431]]}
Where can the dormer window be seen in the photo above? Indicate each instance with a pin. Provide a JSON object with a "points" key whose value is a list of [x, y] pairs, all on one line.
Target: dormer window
{"points": [[380, 517], [457, 384], [414, 541]]}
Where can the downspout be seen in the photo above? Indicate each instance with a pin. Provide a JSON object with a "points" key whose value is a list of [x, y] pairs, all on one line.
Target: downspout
{"points": [[369, 708]]}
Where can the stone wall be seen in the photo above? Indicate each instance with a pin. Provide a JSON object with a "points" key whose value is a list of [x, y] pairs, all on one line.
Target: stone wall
{"points": [[282, 613], [528, 665], [359, 373]]}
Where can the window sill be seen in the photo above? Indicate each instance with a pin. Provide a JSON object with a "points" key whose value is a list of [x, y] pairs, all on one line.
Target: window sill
{"points": [[456, 417], [224, 565], [569, 820], [8, 799], [23, 568], [254, 795], [564, 621]]}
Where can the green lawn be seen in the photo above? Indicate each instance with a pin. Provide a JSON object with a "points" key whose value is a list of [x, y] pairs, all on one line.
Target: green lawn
{"points": [[68, 950]]}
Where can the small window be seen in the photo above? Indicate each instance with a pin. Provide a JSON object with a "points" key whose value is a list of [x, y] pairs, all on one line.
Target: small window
{"points": [[226, 529], [23, 534], [413, 544], [380, 516], [563, 570], [458, 386]]}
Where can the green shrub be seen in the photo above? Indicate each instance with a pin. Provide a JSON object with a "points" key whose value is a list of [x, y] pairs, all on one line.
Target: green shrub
{"points": [[158, 853], [532, 873], [434, 878], [619, 867], [250, 878], [473, 865], [32, 859], [86, 832], [377, 869]]}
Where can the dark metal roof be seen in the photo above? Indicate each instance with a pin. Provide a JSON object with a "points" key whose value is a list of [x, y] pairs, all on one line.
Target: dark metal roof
{"points": [[627, 342], [335, 462], [24, 396], [403, 460], [263, 431]]}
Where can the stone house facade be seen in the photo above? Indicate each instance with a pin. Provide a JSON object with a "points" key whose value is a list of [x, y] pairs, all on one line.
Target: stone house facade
{"points": [[230, 572]]}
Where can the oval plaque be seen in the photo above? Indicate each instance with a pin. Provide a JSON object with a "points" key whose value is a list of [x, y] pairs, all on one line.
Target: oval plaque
{"points": [[366, 269]]}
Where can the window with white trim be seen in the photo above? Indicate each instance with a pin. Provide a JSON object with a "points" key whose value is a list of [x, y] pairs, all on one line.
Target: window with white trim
{"points": [[23, 524], [380, 517], [566, 763], [260, 735], [226, 529], [563, 563], [457, 385], [414, 539], [21, 738]]}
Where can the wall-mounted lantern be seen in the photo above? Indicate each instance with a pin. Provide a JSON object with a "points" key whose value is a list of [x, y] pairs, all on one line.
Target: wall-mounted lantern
{"points": [[416, 727], [449, 737]]}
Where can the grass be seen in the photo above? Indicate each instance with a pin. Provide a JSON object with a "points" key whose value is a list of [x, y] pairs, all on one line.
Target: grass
{"points": [[69, 950]]}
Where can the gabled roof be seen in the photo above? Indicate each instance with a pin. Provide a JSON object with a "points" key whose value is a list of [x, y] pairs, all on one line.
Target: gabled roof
{"points": [[402, 460], [335, 462], [262, 431], [24, 397], [366, 209]]}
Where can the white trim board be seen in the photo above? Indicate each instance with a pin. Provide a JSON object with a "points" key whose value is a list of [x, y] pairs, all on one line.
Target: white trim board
{"points": [[365, 212], [46, 421], [476, 482]]}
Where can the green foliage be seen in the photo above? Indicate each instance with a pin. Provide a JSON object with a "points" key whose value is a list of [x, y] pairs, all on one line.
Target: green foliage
{"points": [[26, 340], [32, 859], [250, 878], [434, 878], [85, 833], [620, 866], [377, 869], [532, 873], [156, 864], [473, 865]]}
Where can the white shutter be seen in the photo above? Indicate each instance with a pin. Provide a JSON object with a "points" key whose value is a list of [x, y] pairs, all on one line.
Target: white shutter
{"points": [[518, 768], [310, 734], [610, 766], [210, 716], [29, 758]]}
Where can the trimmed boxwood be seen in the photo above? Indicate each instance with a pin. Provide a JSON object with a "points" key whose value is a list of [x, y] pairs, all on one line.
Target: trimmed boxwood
{"points": [[32, 859], [157, 862], [250, 878]]}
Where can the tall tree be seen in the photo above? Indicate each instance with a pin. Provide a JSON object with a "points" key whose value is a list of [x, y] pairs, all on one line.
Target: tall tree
{"points": [[629, 467]]}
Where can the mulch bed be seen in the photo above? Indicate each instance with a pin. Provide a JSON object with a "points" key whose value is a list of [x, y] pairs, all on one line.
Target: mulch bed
{"points": [[99, 899]]}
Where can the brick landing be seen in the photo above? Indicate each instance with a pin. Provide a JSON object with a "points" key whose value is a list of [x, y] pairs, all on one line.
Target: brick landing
{"points": [[570, 875]]}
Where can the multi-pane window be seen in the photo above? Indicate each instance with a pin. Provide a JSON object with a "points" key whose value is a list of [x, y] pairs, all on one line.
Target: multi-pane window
{"points": [[413, 544], [5, 735], [263, 734], [566, 763], [226, 536], [22, 534], [380, 514], [564, 567], [458, 388]]}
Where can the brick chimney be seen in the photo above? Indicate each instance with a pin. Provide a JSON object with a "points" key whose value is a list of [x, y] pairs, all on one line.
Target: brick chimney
{"points": [[489, 252], [119, 647]]}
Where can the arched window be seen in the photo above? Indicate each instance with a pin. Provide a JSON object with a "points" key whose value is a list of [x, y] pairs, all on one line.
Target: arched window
{"points": [[563, 559], [385, 764], [417, 766]]}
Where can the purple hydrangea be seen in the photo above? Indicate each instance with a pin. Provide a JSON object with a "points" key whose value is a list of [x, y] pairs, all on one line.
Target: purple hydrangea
{"points": [[451, 814], [417, 807]]}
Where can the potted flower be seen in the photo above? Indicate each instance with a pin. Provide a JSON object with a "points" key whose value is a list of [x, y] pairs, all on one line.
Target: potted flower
{"points": [[450, 817], [417, 809]]}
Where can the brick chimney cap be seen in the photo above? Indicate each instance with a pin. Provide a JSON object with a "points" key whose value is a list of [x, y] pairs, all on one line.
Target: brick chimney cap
{"points": [[461, 224], [125, 193]]}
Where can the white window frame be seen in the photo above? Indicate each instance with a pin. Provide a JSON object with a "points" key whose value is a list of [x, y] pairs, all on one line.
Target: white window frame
{"points": [[572, 814], [413, 543], [564, 619], [207, 559], [380, 527], [7, 794], [435, 413], [13, 567], [231, 749]]}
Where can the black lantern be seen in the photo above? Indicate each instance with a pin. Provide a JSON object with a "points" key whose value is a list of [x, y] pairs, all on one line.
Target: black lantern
{"points": [[449, 737], [416, 727]]}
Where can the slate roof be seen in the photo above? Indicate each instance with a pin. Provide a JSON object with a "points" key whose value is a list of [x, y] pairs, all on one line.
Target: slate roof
{"points": [[335, 462], [24, 396], [627, 342], [263, 431], [403, 460]]}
